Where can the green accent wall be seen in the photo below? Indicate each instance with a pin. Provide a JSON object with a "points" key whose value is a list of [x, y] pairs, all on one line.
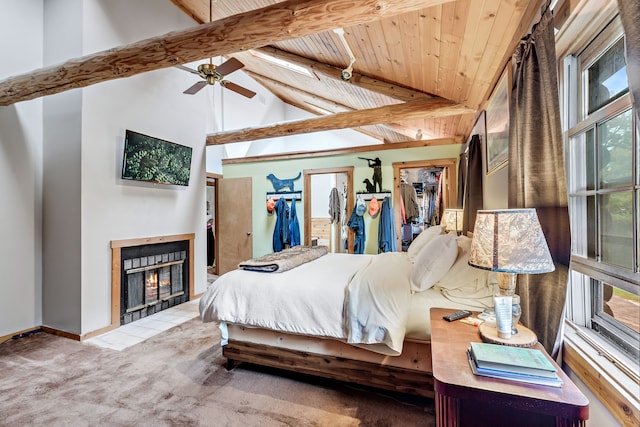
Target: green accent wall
{"points": [[263, 223]]}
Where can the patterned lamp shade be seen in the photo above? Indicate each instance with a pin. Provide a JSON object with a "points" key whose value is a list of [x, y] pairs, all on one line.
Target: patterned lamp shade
{"points": [[510, 241], [452, 219]]}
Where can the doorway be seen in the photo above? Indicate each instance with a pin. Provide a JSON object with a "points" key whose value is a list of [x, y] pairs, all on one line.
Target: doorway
{"points": [[429, 187], [212, 204], [328, 193]]}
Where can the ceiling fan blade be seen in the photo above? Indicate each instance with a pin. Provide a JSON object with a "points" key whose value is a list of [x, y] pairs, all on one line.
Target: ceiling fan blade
{"points": [[196, 87], [229, 66], [238, 89], [190, 70]]}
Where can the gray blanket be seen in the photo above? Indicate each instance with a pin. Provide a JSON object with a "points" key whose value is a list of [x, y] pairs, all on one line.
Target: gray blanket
{"points": [[284, 260]]}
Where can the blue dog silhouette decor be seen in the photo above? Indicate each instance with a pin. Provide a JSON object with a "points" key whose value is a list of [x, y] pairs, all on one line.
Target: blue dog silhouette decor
{"points": [[280, 184]]}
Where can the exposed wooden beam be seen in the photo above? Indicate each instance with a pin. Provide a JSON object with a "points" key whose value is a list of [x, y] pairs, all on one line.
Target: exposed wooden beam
{"points": [[420, 109], [256, 28], [391, 90], [342, 151], [321, 106]]}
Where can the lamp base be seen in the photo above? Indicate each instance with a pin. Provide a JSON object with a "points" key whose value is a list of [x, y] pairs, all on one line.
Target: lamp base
{"points": [[524, 338]]}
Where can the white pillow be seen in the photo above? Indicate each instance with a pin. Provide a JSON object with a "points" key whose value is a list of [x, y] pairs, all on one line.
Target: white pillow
{"points": [[461, 275], [433, 262], [422, 239]]}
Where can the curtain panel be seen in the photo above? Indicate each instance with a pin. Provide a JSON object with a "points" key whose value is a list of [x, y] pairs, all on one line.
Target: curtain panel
{"points": [[630, 17], [473, 196], [537, 176]]}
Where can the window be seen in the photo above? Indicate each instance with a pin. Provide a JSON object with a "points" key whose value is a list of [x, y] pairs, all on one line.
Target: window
{"points": [[604, 193]]}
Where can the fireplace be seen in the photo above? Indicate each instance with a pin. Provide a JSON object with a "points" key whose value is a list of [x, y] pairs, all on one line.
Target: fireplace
{"points": [[150, 275]]}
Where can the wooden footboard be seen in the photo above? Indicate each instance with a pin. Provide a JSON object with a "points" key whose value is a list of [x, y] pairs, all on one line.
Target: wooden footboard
{"points": [[409, 373]]}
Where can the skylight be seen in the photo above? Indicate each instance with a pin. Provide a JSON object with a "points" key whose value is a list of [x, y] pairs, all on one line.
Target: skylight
{"points": [[283, 63]]}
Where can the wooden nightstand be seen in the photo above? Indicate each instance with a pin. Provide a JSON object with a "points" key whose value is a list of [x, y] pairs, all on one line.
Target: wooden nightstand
{"points": [[465, 399]]}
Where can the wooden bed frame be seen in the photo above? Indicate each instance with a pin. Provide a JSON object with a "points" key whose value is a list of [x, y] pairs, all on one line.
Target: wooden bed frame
{"points": [[409, 373]]}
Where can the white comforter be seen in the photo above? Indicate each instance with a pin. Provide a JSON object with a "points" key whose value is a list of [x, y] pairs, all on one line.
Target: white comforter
{"points": [[361, 299]]}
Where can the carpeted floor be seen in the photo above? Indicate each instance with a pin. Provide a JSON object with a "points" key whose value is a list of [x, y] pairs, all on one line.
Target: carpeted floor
{"points": [[178, 378]]}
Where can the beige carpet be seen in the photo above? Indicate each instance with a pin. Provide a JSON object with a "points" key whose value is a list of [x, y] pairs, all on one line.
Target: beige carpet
{"points": [[178, 378]]}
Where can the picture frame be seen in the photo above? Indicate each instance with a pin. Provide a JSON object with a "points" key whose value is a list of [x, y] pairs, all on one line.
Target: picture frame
{"points": [[497, 125]]}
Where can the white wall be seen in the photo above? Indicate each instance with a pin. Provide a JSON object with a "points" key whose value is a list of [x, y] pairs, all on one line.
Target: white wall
{"points": [[151, 103], [80, 132], [21, 35]]}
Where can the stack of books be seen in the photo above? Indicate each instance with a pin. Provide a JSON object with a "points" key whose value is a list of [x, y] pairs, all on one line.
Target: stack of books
{"points": [[527, 365]]}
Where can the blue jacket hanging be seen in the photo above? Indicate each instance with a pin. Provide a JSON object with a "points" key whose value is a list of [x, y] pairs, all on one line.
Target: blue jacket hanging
{"points": [[387, 228], [294, 225], [281, 231], [356, 223]]}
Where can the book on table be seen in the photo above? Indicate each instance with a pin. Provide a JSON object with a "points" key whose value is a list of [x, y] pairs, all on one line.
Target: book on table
{"points": [[512, 363]]}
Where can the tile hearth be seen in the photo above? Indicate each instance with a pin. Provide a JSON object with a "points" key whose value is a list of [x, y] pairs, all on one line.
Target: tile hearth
{"points": [[140, 330]]}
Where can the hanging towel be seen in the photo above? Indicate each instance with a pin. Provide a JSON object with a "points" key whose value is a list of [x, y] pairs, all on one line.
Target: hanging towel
{"points": [[387, 240], [294, 226], [281, 231]]}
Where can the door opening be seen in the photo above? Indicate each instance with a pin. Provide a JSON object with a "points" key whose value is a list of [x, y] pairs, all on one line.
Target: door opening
{"points": [[328, 193]]}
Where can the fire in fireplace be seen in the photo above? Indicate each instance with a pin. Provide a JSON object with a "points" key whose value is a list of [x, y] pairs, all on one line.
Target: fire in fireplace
{"points": [[154, 278]]}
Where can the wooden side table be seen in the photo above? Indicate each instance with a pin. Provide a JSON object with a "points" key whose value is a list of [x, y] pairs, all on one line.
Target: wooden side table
{"points": [[465, 399]]}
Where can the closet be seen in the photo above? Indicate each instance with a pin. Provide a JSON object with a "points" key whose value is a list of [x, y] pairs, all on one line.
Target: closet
{"points": [[421, 194], [423, 190]]}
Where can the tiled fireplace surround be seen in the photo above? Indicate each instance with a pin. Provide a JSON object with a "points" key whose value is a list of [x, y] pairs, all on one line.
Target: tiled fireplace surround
{"points": [[117, 247]]}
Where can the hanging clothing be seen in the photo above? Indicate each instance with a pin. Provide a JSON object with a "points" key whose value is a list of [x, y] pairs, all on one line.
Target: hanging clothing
{"points": [[356, 223], [294, 225], [334, 206], [387, 239], [410, 199], [281, 231]]}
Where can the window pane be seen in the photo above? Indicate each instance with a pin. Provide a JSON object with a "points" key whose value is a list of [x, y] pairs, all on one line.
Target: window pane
{"points": [[607, 77], [582, 161], [615, 151], [616, 222], [591, 227], [622, 306]]}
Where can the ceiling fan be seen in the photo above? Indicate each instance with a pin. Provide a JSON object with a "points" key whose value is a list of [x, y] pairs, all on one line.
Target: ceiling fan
{"points": [[211, 73]]}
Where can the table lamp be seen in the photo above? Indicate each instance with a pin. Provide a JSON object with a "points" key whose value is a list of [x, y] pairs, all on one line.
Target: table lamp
{"points": [[452, 220], [509, 241]]}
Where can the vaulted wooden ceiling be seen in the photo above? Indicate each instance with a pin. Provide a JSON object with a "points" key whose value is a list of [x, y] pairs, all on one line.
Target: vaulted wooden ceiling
{"points": [[453, 50], [441, 57]]}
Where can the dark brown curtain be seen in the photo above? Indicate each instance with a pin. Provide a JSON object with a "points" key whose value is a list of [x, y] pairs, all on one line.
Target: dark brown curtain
{"points": [[462, 176], [473, 198], [537, 176], [630, 17]]}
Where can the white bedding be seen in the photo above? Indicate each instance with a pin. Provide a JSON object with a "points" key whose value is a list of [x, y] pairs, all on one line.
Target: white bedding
{"points": [[361, 299], [306, 300], [320, 298]]}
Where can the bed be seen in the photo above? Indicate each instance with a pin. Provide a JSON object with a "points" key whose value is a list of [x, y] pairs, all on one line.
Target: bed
{"points": [[355, 318]]}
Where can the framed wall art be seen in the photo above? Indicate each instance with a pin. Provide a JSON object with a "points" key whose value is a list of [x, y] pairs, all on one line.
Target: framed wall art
{"points": [[497, 125]]}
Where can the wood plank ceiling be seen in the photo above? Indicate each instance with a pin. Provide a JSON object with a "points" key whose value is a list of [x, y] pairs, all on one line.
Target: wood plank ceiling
{"points": [[419, 52], [455, 50]]}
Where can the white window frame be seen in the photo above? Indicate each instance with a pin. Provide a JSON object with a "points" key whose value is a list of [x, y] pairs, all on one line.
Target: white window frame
{"points": [[610, 373]]}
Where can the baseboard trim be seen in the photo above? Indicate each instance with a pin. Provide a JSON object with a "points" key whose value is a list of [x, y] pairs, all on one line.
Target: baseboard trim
{"points": [[60, 333]]}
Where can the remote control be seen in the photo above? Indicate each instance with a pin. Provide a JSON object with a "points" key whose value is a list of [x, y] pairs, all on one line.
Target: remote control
{"points": [[457, 315]]}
